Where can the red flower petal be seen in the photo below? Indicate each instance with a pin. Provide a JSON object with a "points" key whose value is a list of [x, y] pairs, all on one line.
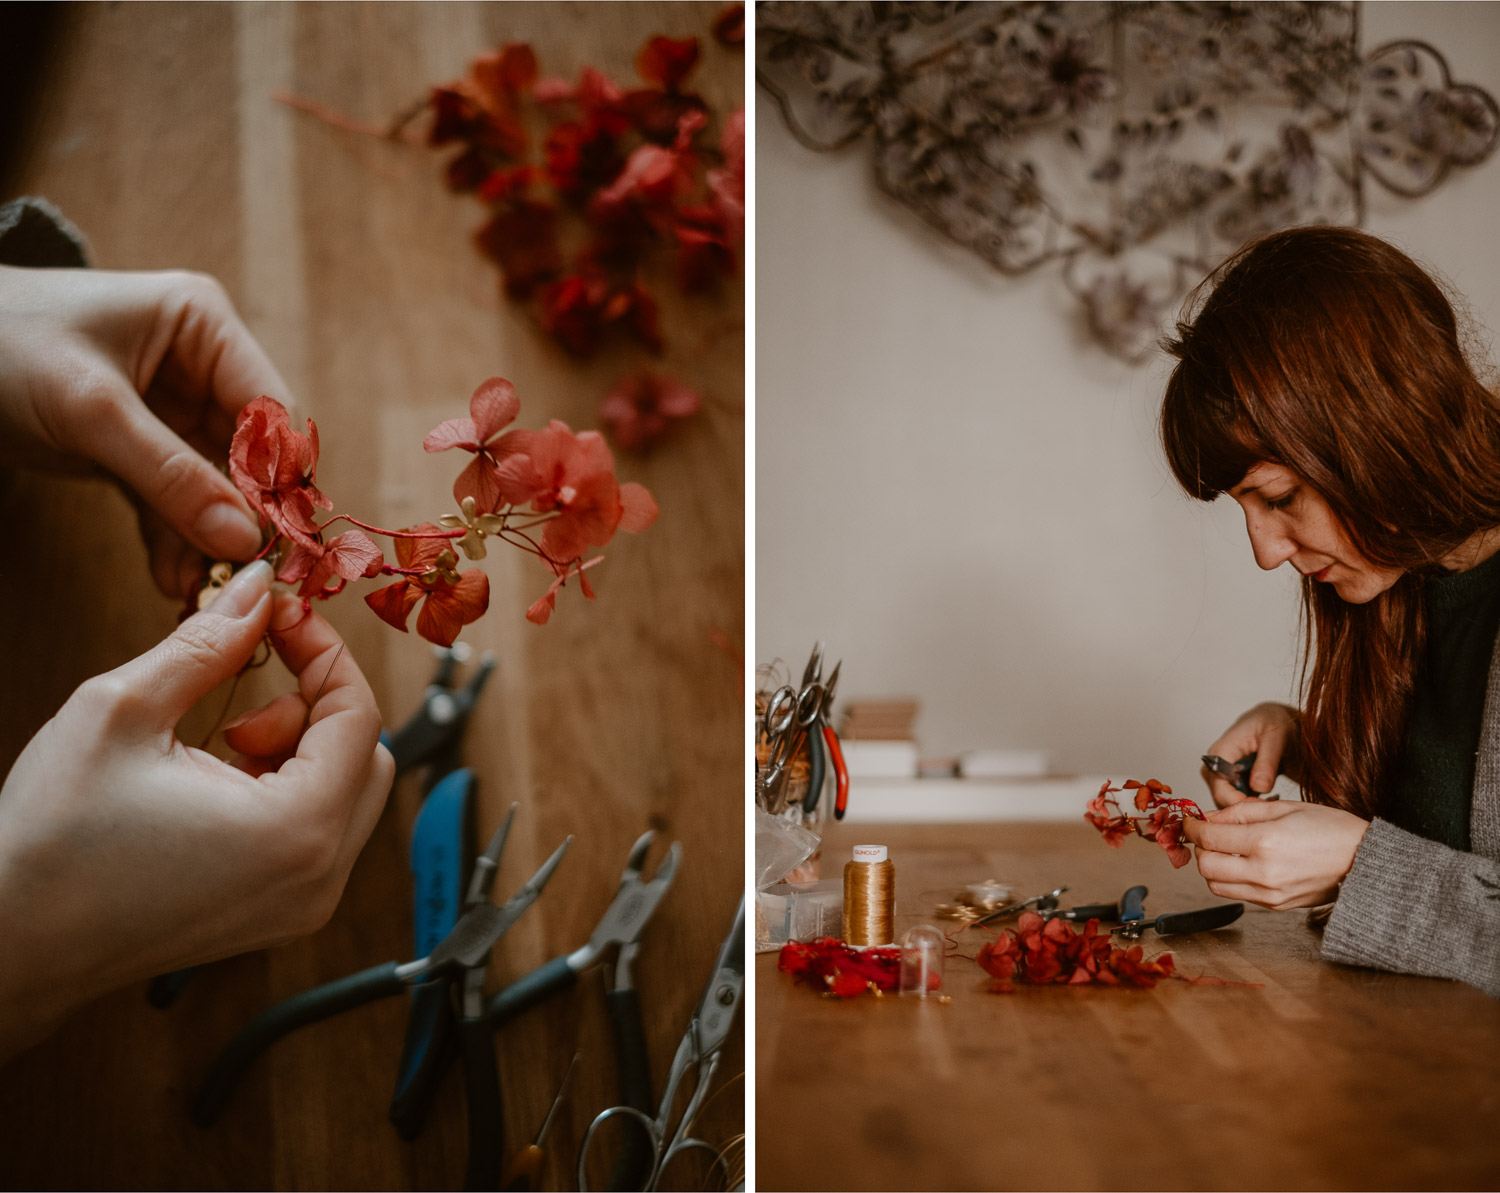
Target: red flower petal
{"points": [[729, 25], [493, 407], [455, 432], [450, 607], [480, 480], [421, 552], [667, 61], [393, 603]]}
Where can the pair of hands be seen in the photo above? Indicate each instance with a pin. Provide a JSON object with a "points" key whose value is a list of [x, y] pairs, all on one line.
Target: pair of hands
{"points": [[1280, 854], [123, 852]]}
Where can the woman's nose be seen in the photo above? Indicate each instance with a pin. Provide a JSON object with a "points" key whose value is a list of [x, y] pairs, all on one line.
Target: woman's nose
{"points": [[1272, 545]]}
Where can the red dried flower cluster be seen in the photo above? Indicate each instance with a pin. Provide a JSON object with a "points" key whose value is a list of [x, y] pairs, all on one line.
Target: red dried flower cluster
{"points": [[839, 970], [555, 481], [643, 406], [1163, 823], [1052, 952], [626, 167]]}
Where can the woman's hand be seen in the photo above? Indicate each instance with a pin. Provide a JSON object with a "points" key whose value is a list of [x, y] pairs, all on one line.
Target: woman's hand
{"points": [[141, 375], [1280, 854], [1269, 731], [125, 853]]}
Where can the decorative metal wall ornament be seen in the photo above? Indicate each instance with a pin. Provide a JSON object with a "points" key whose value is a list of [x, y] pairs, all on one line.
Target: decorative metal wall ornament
{"points": [[1138, 144]]}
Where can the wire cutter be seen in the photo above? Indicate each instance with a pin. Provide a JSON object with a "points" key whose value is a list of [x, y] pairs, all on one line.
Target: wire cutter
{"points": [[699, 1051], [621, 926], [1038, 903], [1236, 774], [1133, 921], [465, 950]]}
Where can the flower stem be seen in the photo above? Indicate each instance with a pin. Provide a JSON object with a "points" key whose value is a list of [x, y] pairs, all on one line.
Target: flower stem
{"points": [[394, 534]]}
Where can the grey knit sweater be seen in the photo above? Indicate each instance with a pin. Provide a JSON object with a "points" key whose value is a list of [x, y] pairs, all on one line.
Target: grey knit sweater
{"points": [[1410, 905]]}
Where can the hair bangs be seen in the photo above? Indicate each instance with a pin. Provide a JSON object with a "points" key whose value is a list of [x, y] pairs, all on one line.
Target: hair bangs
{"points": [[1210, 445]]}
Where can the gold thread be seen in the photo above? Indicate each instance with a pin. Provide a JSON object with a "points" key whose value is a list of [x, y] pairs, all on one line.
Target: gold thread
{"points": [[869, 903]]}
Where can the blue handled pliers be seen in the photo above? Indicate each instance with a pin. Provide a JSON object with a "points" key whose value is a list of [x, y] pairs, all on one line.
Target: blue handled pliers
{"points": [[459, 959]]}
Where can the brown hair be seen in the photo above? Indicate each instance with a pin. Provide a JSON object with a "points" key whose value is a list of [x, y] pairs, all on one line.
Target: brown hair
{"points": [[1334, 354]]}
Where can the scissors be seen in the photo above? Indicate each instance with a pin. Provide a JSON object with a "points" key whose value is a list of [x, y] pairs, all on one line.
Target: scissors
{"points": [[789, 715], [699, 1050]]}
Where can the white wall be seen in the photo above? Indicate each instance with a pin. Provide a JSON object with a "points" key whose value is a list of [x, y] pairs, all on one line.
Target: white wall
{"points": [[967, 500]]}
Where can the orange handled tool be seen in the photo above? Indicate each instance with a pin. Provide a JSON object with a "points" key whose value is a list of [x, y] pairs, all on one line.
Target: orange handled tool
{"points": [[840, 772], [522, 1170]]}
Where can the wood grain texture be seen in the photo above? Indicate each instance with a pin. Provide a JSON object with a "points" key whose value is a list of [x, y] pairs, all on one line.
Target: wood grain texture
{"points": [[350, 261], [1321, 1077]]}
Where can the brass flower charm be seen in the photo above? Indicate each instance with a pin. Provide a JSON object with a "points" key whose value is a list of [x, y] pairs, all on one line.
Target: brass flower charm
{"points": [[477, 524]]}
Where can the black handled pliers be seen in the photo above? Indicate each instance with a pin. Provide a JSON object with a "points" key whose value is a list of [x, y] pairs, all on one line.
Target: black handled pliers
{"points": [[464, 950], [1129, 914], [620, 927], [432, 734]]}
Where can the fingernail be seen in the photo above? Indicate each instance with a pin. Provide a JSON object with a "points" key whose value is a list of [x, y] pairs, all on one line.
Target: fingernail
{"points": [[227, 531], [240, 720], [244, 590]]}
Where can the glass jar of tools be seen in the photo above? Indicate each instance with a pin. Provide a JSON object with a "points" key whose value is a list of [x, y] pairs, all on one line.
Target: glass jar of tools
{"points": [[791, 771]]}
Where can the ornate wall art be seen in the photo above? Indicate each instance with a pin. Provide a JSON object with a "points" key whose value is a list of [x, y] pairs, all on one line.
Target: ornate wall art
{"points": [[1136, 144]]}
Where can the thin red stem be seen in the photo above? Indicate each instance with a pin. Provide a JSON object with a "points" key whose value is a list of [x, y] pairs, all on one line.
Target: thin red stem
{"points": [[395, 534]]}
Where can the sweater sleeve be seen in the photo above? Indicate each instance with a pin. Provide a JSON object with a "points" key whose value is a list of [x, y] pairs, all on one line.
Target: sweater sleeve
{"points": [[1410, 905], [36, 235]]}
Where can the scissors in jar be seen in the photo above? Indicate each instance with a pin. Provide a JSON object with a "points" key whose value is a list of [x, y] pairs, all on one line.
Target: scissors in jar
{"points": [[788, 717], [699, 1050]]}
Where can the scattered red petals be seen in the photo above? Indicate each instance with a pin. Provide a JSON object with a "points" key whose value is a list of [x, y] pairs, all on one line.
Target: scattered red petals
{"points": [[839, 970], [643, 407], [729, 25], [1163, 823], [1052, 952], [625, 164]]}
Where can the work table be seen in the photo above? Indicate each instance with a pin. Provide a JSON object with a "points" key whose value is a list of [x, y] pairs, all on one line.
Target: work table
{"points": [[1318, 1077]]}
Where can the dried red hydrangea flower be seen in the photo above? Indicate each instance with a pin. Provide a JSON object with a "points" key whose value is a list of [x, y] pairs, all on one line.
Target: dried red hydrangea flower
{"points": [[492, 408], [349, 556], [729, 25], [644, 406], [567, 480], [1052, 952], [626, 164], [274, 466], [572, 476], [839, 970], [1163, 822], [450, 600]]}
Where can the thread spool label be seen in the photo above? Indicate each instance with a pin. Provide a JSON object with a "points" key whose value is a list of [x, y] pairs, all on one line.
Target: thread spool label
{"points": [[870, 853]]}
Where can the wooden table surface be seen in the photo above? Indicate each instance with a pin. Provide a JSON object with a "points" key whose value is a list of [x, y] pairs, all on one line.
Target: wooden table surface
{"points": [[156, 133], [1320, 1077]]}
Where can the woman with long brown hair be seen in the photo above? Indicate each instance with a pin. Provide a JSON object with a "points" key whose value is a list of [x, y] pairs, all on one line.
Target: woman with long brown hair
{"points": [[1323, 384]]}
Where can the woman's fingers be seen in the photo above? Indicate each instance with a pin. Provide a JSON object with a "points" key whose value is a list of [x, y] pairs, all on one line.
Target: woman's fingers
{"points": [[338, 750], [192, 496], [204, 356], [271, 730]]}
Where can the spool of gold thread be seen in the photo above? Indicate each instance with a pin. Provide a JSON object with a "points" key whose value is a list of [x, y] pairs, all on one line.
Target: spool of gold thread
{"points": [[869, 897]]}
